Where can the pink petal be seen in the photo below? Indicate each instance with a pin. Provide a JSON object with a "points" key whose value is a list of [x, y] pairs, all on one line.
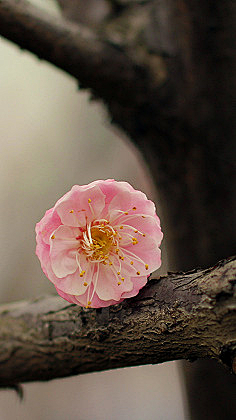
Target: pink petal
{"points": [[82, 300], [47, 225], [42, 252], [66, 264], [134, 202], [66, 296], [147, 225], [138, 283], [73, 284], [110, 189], [80, 205], [107, 286], [99, 303], [63, 250], [147, 250]]}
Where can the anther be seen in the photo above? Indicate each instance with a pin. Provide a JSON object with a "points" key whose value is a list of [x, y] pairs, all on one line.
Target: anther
{"points": [[121, 227], [146, 266], [138, 273], [134, 208], [89, 200], [53, 237], [71, 211], [119, 283], [85, 284], [126, 213], [82, 273], [118, 272], [122, 278], [131, 262]]}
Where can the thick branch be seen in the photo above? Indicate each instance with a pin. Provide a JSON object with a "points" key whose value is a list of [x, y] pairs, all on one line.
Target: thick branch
{"points": [[188, 316], [71, 47]]}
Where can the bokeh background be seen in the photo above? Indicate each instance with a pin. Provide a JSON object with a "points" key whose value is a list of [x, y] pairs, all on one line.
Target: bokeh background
{"points": [[52, 137]]}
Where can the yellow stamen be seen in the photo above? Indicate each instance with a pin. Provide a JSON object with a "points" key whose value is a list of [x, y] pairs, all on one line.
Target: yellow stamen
{"points": [[134, 208], [89, 200], [131, 262], [82, 273], [89, 303], [122, 278], [126, 212], [71, 211], [85, 284], [53, 237], [121, 227], [146, 266], [138, 273], [118, 272], [119, 283]]}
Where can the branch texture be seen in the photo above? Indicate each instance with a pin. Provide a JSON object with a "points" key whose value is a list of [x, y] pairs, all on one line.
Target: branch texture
{"points": [[74, 48], [182, 316]]}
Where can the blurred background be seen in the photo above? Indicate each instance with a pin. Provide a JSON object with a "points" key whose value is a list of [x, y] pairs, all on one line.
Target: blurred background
{"points": [[52, 137]]}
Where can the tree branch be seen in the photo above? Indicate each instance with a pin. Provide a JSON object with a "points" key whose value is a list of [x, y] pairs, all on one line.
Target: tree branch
{"points": [[71, 47], [180, 316]]}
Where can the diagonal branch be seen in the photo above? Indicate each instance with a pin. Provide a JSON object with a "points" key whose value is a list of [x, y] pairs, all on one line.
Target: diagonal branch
{"points": [[180, 316], [71, 47]]}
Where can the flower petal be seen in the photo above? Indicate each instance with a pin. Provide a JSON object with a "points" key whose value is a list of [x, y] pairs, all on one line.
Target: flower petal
{"points": [[50, 222], [144, 225], [138, 283], [80, 206], [107, 286], [128, 251], [147, 250], [73, 284], [132, 202], [63, 250]]}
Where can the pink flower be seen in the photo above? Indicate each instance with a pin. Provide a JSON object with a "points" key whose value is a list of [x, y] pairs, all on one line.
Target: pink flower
{"points": [[99, 243]]}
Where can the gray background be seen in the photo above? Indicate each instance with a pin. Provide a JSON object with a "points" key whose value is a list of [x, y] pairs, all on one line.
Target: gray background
{"points": [[53, 137]]}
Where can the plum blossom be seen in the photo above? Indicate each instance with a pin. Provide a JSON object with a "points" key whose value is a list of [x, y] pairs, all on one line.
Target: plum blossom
{"points": [[99, 243]]}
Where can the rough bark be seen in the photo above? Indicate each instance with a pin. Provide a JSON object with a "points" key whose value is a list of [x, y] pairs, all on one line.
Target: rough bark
{"points": [[191, 315]]}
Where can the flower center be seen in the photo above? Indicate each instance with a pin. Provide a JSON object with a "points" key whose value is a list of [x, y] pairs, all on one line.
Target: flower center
{"points": [[98, 240]]}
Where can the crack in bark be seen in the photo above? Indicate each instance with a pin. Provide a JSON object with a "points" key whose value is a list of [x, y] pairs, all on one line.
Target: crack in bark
{"points": [[181, 315]]}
